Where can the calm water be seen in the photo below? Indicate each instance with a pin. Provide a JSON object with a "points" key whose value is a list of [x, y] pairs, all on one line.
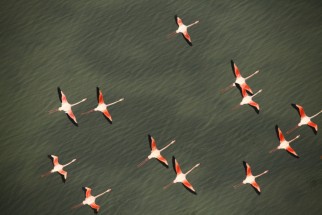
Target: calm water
{"points": [[171, 91]]}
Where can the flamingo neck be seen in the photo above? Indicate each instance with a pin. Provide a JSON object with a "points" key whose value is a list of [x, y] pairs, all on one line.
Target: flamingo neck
{"points": [[257, 93], [196, 22], [114, 102], [192, 169], [316, 114], [69, 163], [172, 142], [252, 74], [102, 193], [261, 174], [78, 102], [294, 138]]}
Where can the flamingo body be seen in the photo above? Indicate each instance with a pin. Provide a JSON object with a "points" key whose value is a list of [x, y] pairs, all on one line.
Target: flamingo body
{"points": [[183, 29]]}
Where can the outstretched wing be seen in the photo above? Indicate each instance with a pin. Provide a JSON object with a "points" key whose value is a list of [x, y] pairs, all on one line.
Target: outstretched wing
{"points": [[189, 186], [300, 109], [99, 93], [235, 69], [178, 20], [152, 142], [107, 115], [163, 160], [290, 150], [62, 96], [176, 166], [187, 37], [247, 168], [256, 186]]}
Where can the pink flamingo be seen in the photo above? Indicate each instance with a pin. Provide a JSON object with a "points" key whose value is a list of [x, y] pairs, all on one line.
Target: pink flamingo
{"points": [[102, 107], [155, 152], [183, 29], [66, 107], [250, 178], [248, 99], [284, 144], [181, 177], [240, 80], [90, 200], [305, 120], [58, 167]]}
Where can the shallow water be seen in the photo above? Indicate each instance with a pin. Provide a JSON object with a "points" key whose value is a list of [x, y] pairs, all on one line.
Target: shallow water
{"points": [[171, 91]]}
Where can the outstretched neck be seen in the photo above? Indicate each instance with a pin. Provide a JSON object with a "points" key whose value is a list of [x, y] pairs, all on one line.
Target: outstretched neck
{"points": [[294, 138], [103, 193], [261, 174], [172, 142], [257, 93], [316, 114], [196, 22], [252, 74], [70, 162], [79, 102], [115, 102], [192, 168]]}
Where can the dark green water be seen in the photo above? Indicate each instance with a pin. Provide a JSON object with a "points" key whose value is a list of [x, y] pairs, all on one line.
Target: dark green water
{"points": [[171, 91]]}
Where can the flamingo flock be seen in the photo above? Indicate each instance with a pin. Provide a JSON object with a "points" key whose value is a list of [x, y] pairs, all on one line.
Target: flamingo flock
{"points": [[181, 177]]}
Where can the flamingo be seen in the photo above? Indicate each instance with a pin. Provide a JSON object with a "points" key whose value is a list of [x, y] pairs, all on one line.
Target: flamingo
{"points": [[250, 178], [183, 29], [305, 120], [156, 153], [248, 99], [66, 107], [239, 80], [58, 167], [90, 200], [102, 107], [284, 144], [181, 177]]}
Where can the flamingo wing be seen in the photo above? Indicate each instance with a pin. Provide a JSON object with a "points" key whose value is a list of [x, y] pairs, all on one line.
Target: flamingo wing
{"points": [[107, 115], [247, 168], [186, 36], [256, 186], [178, 20], [176, 166], [235, 69], [152, 142], [255, 105], [163, 160], [300, 109], [280, 135], [189, 186], [72, 117], [62, 96], [291, 151], [63, 173], [313, 126], [88, 192], [246, 87], [99, 93], [95, 206], [54, 159]]}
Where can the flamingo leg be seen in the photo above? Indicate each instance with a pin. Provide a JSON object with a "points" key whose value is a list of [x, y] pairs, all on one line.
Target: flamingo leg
{"points": [[224, 90], [167, 186], [291, 130], [53, 111], [87, 112], [237, 185], [45, 174], [77, 206], [143, 162], [273, 150], [235, 108], [171, 35]]}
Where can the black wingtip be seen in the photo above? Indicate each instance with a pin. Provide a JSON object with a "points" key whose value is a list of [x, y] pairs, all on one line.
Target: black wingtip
{"points": [[294, 106], [191, 191], [174, 163], [84, 189], [97, 93], [258, 193], [59, 93], [63, 179], [276, 130], [293, 155], [110, 121], [76, 124], [166, 166]]}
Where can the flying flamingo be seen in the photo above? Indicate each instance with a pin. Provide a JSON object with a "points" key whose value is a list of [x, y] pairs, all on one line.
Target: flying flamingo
{"points": [[156, 153], [183, 29], [181, 177], [248, 99], [102, 107], [250, 178], [239, 80], [90, 200], [305, 120], [284, 144], [58, 167], [66, 107]]}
